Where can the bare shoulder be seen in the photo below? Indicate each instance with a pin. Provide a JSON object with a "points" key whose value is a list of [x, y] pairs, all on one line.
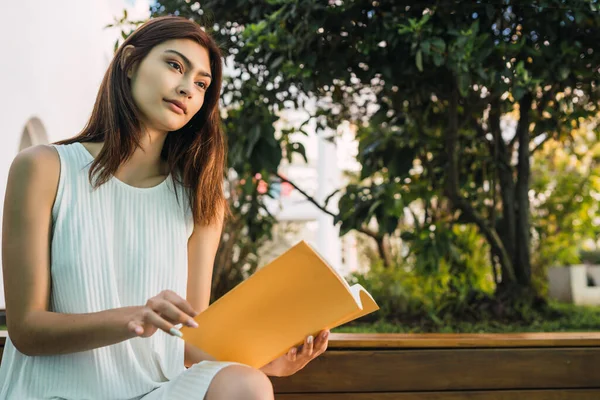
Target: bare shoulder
{"points": [[40, 157], [41, 153], [37, 167]]}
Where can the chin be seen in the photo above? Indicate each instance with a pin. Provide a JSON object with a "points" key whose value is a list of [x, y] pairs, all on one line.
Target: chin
{"points": [[173, 125], [172, 128]]}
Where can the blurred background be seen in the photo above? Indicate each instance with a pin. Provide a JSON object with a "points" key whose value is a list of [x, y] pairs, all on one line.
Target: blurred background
{"points": [[444, 154]]}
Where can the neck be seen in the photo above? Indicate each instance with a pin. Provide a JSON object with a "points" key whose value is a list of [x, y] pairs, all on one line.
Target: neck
{"points": [[145, 160], [145, 167]]}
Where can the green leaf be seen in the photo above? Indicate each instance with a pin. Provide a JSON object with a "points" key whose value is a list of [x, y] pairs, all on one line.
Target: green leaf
{"points": [[345, 227], [439, 44], [300, 149], [426, 47], [404, 29], [374, 206], [419, 60], [464, 84], [563, 72], [277, 62], [407, 236], [518, 92], [253, 137]]}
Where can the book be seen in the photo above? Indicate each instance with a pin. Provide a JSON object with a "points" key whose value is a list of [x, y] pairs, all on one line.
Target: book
{"points": [[276, 308]]}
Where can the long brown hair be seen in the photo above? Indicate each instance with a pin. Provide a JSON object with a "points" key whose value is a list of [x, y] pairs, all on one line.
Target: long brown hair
{"points": [[196, 152]]}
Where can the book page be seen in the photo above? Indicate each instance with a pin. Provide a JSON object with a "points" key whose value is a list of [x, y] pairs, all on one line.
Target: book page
{"points": [[365, 301]]}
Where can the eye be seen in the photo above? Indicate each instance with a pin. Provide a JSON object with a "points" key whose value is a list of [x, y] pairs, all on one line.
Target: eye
{"points": [[178, 67], [202, 83]]}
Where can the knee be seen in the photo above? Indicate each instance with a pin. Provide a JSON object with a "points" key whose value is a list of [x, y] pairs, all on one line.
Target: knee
{"points": [[239, 382]]}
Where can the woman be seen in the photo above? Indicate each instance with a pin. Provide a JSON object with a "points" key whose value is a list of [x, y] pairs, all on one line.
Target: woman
{"points": [[110, 236]]}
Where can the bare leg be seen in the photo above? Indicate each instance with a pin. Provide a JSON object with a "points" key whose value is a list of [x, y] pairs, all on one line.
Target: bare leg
{"points": [[239, 382]]}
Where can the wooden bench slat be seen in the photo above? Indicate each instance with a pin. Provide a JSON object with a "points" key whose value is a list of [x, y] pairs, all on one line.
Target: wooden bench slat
{"points": [[440, 370], [452, 340], [460, 340], [573, 394]]}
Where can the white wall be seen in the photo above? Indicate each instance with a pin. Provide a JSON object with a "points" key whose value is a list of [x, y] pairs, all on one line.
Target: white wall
{"points": [[54, 55]]}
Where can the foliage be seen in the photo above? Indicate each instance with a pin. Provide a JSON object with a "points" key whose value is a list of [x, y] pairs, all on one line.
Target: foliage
{"points": [[556, 318], [441, 102], [590, 257], [427, 286], [566, 187], [566, 183]]}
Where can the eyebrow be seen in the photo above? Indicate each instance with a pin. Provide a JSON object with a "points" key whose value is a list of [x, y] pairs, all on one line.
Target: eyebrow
{"points": [[188, 63]]}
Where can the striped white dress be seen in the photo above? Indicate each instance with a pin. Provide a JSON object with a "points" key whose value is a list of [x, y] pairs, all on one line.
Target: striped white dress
{"points": [[112, 247]]}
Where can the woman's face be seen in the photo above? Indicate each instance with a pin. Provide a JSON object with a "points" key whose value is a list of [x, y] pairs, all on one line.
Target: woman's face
{"points": [[176, 70]]}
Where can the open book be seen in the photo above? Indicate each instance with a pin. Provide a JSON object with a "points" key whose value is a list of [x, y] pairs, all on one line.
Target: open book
{"points": [[296, 295]]}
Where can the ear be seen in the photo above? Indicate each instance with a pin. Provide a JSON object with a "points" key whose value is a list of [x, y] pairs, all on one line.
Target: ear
{"points": [[127, 50]]}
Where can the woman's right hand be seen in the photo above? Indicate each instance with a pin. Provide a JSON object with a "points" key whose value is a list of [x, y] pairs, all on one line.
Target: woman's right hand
{"points": [[162, 311]]}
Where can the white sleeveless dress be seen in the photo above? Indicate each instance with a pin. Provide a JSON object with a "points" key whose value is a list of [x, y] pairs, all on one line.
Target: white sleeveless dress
{"points": [[112, 247]]}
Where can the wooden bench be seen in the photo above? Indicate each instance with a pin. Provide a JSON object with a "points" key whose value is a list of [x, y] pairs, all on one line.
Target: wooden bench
{"points": [[532, 366]]}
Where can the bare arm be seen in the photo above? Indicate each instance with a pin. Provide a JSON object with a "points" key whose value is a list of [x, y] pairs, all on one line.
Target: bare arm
{"points": [[30, 193], [202, 248]]}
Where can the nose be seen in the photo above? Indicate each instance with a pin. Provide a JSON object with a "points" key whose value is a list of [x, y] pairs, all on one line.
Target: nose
{"points": [[185, 88], [184, 91]]}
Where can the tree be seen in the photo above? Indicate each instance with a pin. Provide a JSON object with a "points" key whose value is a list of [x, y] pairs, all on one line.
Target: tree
{"points": [[429, 85]]}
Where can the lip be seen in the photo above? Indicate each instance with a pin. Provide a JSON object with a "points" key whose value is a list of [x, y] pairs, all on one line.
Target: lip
{"points": [[179, 107]]}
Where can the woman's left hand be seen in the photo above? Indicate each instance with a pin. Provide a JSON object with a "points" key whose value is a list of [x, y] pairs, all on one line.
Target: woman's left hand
{"points": [[297, 358]]}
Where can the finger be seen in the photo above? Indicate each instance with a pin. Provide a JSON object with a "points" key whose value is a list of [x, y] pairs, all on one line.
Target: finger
{"points": [[292, 354], [151, 317], [323, 341], [324, 335], [180, 303], [135, 328], [309, 346], [170, 312]]}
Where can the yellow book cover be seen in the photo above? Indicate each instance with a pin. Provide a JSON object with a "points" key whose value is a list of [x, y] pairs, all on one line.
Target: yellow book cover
{"points": [[296, 295]]}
